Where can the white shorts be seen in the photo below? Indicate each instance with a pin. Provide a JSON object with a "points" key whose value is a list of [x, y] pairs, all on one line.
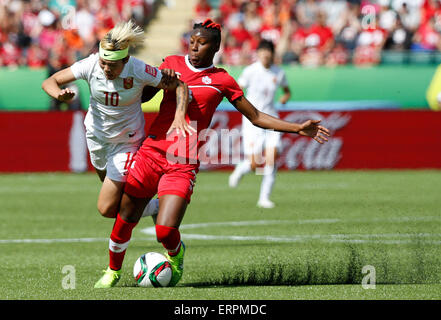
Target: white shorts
{"points": [[115, 158], [255, 140]]}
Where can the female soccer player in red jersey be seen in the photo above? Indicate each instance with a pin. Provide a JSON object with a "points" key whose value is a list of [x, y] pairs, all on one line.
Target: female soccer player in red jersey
{"points": [[167, 164]]}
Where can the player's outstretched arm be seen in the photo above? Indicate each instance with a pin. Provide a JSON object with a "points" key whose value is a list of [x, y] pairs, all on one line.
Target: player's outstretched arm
{"points": [[310, 128], [286, 95], [171, 82], [52, 85]]}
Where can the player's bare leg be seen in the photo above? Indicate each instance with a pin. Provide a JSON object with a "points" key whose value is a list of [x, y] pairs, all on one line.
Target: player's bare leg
{"points": [[268, 179], [256, 161], [270, 156], [132, 208], [110, 197], [171, 210]]}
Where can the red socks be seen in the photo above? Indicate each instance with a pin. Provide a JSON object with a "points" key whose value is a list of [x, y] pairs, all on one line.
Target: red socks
{"points": [[170, 238], [119, 241], [122, 232]]}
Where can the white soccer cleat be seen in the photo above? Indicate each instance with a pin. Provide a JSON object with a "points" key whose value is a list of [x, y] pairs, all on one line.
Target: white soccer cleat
{"points": [[266, 204]]}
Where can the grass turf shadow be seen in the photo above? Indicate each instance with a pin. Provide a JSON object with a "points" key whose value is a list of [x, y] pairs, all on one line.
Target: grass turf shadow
{"points": [[414, 264]]}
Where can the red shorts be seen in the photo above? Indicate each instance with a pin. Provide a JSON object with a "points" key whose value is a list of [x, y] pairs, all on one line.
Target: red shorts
{"points": [[151, 173]]}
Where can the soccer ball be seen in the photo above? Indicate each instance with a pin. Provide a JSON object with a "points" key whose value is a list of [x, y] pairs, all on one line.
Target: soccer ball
{"points": [[152, 270]]}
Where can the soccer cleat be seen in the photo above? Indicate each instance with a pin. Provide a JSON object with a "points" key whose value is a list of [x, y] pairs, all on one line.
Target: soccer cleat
{"points": [[266, 204], [109, 279], [177, 264]]}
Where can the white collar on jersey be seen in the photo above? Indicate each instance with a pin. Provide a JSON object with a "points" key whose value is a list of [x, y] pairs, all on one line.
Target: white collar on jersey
{"points": [[194, 69]]}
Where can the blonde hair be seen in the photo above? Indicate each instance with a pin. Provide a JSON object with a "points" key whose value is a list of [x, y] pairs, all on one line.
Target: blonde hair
{"points": [[123, 35]]}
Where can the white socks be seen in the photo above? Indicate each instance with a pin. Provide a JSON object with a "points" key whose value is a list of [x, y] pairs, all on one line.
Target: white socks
{"points": [[151, 208], [268, 179], [269, 176], [241, 168]]}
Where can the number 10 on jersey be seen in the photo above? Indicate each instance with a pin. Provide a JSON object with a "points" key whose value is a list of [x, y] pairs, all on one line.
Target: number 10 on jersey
{"points": [[112, 97]]}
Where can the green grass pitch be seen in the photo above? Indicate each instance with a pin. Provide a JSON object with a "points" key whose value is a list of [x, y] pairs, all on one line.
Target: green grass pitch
{"points": [[326, 227]]}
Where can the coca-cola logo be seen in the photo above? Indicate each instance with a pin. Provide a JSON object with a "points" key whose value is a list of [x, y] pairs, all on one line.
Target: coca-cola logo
{"points": [[223, 143], [304, 152]]}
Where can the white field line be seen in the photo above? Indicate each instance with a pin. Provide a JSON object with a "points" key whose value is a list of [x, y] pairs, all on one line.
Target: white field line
{"points": [[307, 238], [66, 188], [345, 238], [404, 238], [65, 240], [307, 221]]}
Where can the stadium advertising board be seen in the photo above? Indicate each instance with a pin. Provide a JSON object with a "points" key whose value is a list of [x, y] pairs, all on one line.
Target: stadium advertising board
{"points": [[359, 140], [55, 141]]}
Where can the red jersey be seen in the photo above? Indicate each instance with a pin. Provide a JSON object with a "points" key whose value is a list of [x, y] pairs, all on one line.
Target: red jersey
{"points": [[241, 34], [208, 87], [319, 35], [429, 37]]}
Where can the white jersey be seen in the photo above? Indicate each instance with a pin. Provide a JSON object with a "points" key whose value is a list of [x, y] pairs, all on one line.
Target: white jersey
{"points": [[115, 113], [261, 85]]}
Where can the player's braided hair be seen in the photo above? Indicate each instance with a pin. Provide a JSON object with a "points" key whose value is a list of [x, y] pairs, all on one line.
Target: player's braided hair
{"points": [[123, 35], [212, 27]]}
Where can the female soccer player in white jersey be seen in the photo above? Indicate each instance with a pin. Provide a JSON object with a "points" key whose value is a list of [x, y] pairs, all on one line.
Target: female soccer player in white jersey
{"points": [[261, 79], [115, 121]]}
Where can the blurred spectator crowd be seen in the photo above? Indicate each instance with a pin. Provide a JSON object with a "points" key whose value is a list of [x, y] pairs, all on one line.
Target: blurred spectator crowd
{"points": [[57, 33], [322, 32]]}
